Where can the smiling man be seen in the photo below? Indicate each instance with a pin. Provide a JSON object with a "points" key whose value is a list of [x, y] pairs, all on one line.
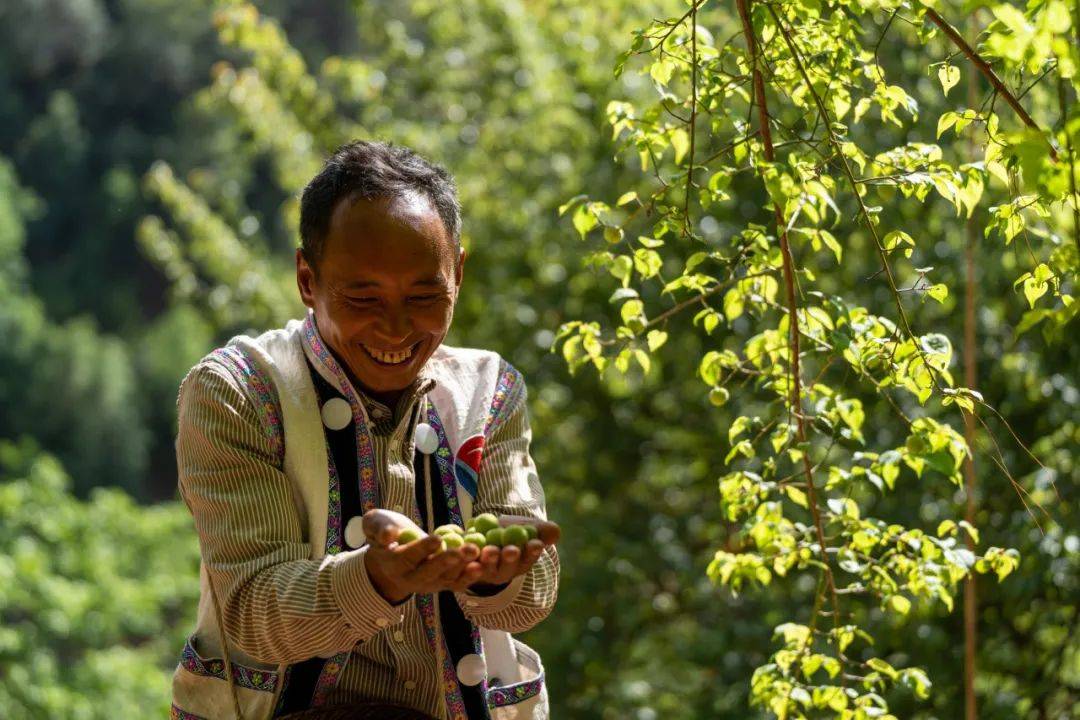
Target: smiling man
{"points": [[302, 454]]}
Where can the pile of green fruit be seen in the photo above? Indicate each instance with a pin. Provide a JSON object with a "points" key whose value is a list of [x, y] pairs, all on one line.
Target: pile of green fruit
{"points": [[480, 531]]}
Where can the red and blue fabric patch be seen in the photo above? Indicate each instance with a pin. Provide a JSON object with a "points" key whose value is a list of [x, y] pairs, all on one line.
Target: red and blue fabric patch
{"points": [[467, 463]]}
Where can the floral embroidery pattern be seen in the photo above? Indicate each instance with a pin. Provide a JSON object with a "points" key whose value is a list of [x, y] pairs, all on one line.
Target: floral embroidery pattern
{"points": [[266, 401], [443, 458], [511, 694], [507, 392], [452, 691], [333, 505], [328, 678], [215, 667], [365, 452], [176, 713]]}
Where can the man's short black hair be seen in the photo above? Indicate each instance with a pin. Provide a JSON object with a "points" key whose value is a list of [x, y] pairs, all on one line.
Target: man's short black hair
{"points": [[370, 170]]}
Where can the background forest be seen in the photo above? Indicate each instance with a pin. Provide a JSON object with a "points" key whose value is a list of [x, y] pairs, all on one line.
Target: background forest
{"points": [[151, 155]]}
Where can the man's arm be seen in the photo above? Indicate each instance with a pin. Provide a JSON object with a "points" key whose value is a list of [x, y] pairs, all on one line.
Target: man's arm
{"points": [[508, 484], [279, 606]]}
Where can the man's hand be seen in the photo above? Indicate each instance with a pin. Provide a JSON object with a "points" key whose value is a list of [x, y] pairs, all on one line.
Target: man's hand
{"points": [[500, 567], [397, 571]]}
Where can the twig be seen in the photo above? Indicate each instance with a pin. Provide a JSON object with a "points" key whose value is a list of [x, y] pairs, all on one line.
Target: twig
{"points": [[987, 71]]}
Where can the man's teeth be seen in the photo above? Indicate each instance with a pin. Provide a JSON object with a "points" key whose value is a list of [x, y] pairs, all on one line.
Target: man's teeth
{"points": [[390, 357]]}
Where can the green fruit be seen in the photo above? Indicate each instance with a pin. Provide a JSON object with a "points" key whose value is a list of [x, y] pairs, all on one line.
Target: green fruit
{"points": [[515, 535], [533, 532], [719, 396], [452, 541], [477, 539], [484, 523], [448, 529], [494, 537], [408, 535]]}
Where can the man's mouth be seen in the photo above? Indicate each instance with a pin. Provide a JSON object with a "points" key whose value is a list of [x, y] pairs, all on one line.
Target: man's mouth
{"points": [[390, 357]]}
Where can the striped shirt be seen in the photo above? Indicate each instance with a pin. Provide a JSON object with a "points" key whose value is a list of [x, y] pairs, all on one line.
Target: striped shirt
{"points": [[279, 605]]}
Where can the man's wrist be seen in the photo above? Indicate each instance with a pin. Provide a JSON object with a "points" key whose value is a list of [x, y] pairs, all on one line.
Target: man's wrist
{"points": [[381, 583]]}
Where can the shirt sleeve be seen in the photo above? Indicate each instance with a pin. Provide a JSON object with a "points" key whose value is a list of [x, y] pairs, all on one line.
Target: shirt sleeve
{"points": [[508, 484], [279, 605]]}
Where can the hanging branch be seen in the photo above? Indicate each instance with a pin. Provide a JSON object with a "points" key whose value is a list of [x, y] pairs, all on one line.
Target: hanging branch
{"points": [[988, 72], [792, 308]]}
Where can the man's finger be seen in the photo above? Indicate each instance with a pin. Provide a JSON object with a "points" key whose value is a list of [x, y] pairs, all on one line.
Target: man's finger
{"points": [[379, 527], [546, 530], [414, 553], [432, 568]]}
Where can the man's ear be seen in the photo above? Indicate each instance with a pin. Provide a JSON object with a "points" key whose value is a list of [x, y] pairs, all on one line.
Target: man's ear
{"points": [[459, 270], [305, 279]]}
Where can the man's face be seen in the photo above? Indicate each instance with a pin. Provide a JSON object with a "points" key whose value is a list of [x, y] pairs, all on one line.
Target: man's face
{"points": [[385, 291]]}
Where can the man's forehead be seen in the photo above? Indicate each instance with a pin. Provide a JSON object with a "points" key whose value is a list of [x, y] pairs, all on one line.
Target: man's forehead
{"points": [[364, 283]]}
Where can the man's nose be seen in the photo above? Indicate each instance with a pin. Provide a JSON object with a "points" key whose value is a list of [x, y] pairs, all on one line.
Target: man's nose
{"points": [[396, 326]]}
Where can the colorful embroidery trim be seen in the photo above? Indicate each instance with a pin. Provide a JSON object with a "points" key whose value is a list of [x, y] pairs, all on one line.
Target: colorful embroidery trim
{"points": [[215, 667], [365, 452], [328, 678], [265, 395], [176, 713], [333, 505], [513, 694], [508, 391]]}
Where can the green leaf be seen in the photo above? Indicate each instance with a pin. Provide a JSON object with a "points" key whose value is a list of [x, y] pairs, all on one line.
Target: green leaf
{"points": [[939, 292], [796, 496], [571, 203], [626, 197], [584, 220], [946, 121], [680, 141], [621, 268], [656, 339], [662, 70], [900, 604], [949, 75]]}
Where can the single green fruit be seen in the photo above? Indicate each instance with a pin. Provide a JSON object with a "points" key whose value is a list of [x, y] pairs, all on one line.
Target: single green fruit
{"points": [[453, 541], [719, 396], [477, 539], [494, 537], [533, 532], [485, 522], [447, 529], [408, 535], [515, 535]]}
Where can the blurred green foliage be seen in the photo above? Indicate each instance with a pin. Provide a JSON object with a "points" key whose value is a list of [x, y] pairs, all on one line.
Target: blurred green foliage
{"points": [[150, 160]]}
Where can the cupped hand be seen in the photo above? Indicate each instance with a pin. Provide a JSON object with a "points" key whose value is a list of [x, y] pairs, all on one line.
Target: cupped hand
{"points": [[502, 566], [399, 570]]}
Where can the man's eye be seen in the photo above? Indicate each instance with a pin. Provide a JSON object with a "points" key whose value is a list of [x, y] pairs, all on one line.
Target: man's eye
{"points": [[362, 300], [426, 298]]}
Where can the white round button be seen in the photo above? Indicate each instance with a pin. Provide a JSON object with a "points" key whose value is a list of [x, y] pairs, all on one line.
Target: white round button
{"points": [[427, 440], [471, 669], [409, 685], [382, 622], [354, 532], [336, 413]]}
